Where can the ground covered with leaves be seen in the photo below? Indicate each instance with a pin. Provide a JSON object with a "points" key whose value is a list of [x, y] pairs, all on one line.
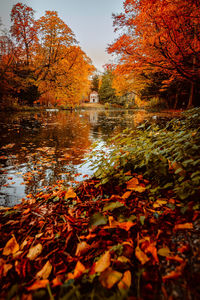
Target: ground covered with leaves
{"points": [[132, 233], [94, 243]]}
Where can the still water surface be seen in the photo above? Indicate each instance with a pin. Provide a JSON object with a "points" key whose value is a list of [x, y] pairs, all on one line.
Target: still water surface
{"points": [[49, 147]]}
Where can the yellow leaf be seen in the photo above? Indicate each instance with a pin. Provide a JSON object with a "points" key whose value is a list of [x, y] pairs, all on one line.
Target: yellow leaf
{"points": [[82, 248], [109, 277], [141, 256], [139, 189], [11, 247], [34, 251], [45, 271], [103, 263], [164, 251], [38, 284], [183, 226], [125, 282], [70, 193], [159, 203]]}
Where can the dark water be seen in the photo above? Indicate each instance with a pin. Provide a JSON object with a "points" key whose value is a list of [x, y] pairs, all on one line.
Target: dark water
{"points": [[49, 147]]}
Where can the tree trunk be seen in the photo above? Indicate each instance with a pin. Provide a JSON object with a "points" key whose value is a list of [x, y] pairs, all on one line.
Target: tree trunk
{"points": [[191, 98], [176, 101]]}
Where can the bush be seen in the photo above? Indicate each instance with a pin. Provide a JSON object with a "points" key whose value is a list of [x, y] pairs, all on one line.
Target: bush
{"points": [[168, 157]]}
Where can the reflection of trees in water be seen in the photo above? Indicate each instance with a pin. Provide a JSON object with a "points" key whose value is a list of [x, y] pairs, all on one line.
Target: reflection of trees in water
{"points": [[48, 145], [111, 122]]}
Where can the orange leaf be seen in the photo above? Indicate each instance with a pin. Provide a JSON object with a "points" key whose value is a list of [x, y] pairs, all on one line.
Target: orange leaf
{"points": [[56, 282], [132, 183], [175, 273], [70, 193], [126, 225], [78, 271], [34, 251], [38, 284], [11, 246], [45, 271], [175, 258], [82, 248], [103, 263], [183, 226], [125, 282], [126, 195], [141, 256], [152, 249], [109, 277]]}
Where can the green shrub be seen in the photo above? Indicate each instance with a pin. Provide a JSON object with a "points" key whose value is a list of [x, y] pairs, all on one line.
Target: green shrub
{"points": [[168, 157]]}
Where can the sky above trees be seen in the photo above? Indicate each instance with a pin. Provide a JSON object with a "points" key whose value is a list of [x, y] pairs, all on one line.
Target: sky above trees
{"points": [[90, 20]]}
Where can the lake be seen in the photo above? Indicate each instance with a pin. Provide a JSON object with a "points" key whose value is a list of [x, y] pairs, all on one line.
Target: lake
{"points": [[39, 149]]}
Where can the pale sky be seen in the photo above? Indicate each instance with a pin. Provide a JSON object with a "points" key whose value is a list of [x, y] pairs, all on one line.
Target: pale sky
{"points": [[90, 20]]}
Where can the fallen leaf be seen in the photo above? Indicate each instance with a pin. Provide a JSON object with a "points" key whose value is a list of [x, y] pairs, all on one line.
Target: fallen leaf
{"points": [[45, 271], [103, 263], [56, 282], [153, 250], [183, 226], [97, 219], [34, 251], [132, 183], [175, 273], [164, 251], [11, 246], [139, 189], [82, 248], [78, 271], [38, 284], [126, 195], [70, 194], [109, 277], [125, 282], [141, 256], [175, 258]]}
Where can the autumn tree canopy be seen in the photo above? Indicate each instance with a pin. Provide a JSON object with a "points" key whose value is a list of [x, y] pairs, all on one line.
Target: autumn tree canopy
{"points": [[41, 57], [160, 37]]}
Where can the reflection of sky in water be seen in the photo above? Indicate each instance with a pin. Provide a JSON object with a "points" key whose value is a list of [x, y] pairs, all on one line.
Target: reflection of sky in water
{"points": [[41, 149]]}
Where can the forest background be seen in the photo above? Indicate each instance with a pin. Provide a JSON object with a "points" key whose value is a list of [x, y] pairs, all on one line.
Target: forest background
{"points": [[156, 58]]}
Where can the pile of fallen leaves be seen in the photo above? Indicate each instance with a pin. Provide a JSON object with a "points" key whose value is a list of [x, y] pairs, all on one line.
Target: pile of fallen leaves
{"points": [[108, 242]]}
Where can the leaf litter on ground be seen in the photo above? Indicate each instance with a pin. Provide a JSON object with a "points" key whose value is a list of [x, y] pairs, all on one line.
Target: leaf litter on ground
{"points": [[111, 240]]}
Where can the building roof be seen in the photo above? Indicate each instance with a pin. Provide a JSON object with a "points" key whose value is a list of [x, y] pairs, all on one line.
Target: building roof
{"points": [[93, 93]]}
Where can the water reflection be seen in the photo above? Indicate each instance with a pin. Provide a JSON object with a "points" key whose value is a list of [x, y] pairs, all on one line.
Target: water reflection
{"points": [[41, 149]]}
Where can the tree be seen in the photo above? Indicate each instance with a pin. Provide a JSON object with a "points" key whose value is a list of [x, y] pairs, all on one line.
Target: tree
{"points": [[54, 37], [24, 30], [160, 35], [95, 83], [106, 91]]}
